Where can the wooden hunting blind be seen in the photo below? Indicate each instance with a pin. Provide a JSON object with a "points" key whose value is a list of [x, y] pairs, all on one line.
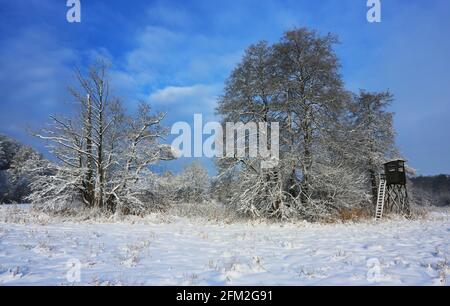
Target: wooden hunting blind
{"points": [[392, 192], [395, 172]]}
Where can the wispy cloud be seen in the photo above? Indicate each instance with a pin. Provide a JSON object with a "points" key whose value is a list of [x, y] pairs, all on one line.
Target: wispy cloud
{"points": [[187, 100], [174, 94], [161, 56]]}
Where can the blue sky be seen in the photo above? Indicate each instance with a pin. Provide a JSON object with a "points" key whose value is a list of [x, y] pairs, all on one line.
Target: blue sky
{"points": [[177, 54]]}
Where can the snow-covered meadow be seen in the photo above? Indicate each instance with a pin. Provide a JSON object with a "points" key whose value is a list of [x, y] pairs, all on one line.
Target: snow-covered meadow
{"points": [[162, 250]]}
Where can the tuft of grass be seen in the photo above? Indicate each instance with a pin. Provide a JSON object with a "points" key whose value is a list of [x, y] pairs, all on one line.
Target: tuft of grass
{"points": [[354, 214]]}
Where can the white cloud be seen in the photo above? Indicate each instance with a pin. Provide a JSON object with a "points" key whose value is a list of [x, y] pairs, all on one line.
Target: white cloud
{"points": [[199, 98], [162, 56], [174, 94]]}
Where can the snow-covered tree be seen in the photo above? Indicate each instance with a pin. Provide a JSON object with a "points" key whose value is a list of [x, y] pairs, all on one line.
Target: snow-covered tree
{"points": [[193, 184], [19, 173], [372, 135], [313, 92], [54, 187], [250, 96], [325, 140], [103, 153], [15, 176], [8, 149], [3, 160]]}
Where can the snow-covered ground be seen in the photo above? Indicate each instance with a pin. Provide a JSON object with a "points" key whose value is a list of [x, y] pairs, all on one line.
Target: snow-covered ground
{"points": [[180, 251]]}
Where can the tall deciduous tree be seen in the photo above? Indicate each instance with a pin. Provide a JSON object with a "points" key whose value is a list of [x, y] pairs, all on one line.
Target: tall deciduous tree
{"points": [[102, 152], [329, 143], [372, 134], [309, 78]]}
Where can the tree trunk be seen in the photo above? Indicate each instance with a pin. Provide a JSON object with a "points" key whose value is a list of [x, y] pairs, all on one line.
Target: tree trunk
{"points": [[374, 187], [89, 192], [307, 157]]}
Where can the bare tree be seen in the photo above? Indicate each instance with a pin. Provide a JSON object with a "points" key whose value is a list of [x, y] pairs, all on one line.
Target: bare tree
{"points": [[102, 152]]}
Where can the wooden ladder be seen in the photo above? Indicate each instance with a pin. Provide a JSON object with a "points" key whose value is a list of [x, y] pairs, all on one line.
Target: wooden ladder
{"points": [[381, 198]]}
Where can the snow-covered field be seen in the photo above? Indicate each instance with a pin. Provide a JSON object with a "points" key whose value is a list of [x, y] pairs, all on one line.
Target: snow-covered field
{"points": [[180, 251]]}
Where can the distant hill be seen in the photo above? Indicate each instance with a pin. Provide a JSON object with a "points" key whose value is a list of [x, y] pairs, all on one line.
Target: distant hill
{"points": [[434, 190], [13, 177]]}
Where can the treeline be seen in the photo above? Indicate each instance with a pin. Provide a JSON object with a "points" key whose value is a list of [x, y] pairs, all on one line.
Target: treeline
{"points": [[21, 166], [432, 190], [15, 179]]}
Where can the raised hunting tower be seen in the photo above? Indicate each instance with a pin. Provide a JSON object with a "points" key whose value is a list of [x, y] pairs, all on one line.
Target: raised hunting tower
{"points": [[392, 191]]}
